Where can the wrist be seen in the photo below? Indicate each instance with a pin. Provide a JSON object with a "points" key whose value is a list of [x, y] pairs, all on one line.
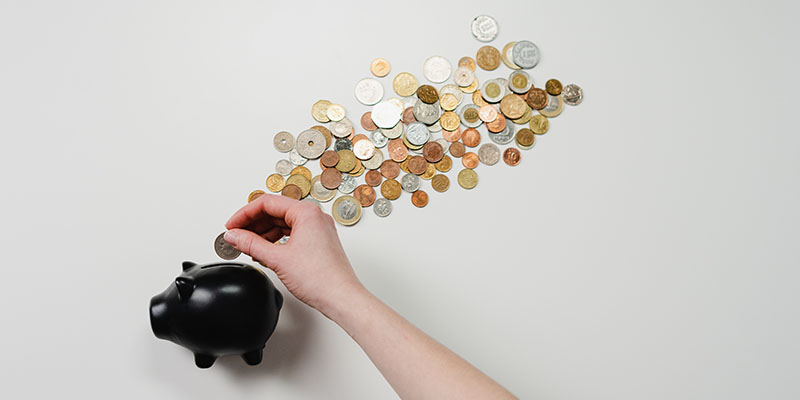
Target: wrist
{"points": [[350, 300]]}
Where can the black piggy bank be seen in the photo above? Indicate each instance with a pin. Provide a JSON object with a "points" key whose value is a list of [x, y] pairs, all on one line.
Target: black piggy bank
{"points": [[217, 309]]}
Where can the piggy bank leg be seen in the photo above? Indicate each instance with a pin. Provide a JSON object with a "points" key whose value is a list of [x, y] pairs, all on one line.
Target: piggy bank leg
{"points": [[253, 357], [204, 360]]}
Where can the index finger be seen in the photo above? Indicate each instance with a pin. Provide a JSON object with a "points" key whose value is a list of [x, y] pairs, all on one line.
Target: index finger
{"points": [[266, 205]]}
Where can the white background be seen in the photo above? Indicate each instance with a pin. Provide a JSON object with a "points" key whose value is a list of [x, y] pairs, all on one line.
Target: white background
{"points": [[646, 248]]}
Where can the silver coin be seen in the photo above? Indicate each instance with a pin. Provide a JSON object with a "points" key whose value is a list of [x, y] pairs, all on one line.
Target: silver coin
{"points": [[386, 114], [223, 249], [375, 161], [553, 108], [369, 91], [427, 113], [502, 85], [319, 192], [342, 128], [484, 28], [379, 139], [463, 76], [394, 132], [382, 207], [525, 54], [348, 184], [444, 143], [343, 144], [295, 158], [452, 89], [434, 128], [473, 124], [283, 141], [410, 183], [523, 89], [437, 69], [572, 94], [417, 134], [283, 240], [489, 154], [503, 137], [409, 101], [284, 167], [310, 144], [347, 208]]}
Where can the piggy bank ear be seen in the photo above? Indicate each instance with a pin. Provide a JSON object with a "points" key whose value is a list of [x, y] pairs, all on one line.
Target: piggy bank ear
{"points": [[185, 287], [188, 264]]}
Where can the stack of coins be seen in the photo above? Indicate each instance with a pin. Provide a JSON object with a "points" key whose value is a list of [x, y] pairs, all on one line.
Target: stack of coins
{"points": [[419, 132]]}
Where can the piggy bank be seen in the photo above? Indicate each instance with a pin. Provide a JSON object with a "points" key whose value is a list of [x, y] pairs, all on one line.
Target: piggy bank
{"points": [[218, 309]]}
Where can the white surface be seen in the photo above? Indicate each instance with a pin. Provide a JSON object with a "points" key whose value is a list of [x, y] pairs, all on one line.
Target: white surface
{"points": [[645, 249]]}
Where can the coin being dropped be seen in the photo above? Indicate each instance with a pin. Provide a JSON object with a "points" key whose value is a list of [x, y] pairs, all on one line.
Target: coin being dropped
{"points": [[382, 207], [283, 141], [467, 178], [369, 91], [346, 210], [484, 28], [419, 198], [572, 94], [437, 69], [380, 67], [224, 249]]}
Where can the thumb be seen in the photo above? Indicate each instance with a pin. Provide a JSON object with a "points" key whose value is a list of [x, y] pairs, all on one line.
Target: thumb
{"points": [[269, 254]]}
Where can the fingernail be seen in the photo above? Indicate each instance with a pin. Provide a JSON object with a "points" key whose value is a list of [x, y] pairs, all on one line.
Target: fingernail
{"points": [[230, 237]]}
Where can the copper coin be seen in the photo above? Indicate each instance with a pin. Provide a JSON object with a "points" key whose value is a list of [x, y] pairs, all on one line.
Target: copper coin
{"points": [[471, 137], [470, 160], [325, 132], [428, 94], [525, 137], [452, 136], [391, 189], [397, 150], [553, 86], [497, 125], [329, 159], [512, 156], [419, 198], [432, 152], [457, 149], [366, 122], [440, 183], [536, 98], [330, 178], [373, 177], [417, 165], [293, 191], [365, 195], [408, 116], [390, 169]]}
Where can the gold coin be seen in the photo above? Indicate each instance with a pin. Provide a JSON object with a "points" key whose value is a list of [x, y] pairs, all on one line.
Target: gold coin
{"points": [[346, 210], [525, 138], [467, 62], [448, 102], [440, 183], [404, 165], [335, 112], [300, 181], [380, 67], [391, 189], [526, 117], [471, 88], [539, 124], [512, 106], [254, 195], [409, 145], [275, 183], [302, 171], [358, 170], [449, 121], [320, 111], [488, 58], [477, 98], [444, 164], [430, 171], [325, 132], [427, 94], [507, 52], [347, 160], [405, 84], [468, 178], [493, 90], [553, 86]]}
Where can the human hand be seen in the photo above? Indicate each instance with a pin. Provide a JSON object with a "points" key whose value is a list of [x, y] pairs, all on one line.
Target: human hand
{"points": [[312, 264]]}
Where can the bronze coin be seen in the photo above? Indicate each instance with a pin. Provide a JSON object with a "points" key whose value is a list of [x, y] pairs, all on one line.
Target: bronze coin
{"points": [[428, 94], [432, 152], [330, 178], [440, 183], [512, 156], [536, 98], [452, 136], [325, 132], [553, 86], [470, 160], [329, 159], [365, 195], [457, 149], [525, 137], [417, 165], [488, 58], [419, 198], [373, 177], [497, 125], [408, 116], [366, 122], [390, 169], [292, 191], [390, 189], [471, 137], [397, 150]]}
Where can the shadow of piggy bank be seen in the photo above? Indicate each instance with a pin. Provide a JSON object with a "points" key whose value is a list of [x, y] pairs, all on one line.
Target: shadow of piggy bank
{"points": [[218, 309]]}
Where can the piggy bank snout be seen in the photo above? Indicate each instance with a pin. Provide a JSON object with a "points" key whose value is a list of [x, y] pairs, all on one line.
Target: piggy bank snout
{"points": [[159, 317]]}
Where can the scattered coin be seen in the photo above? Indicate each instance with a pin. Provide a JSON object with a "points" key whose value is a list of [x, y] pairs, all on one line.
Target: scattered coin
{"points": [[440, 183], [553, 87], [525, 138], [417, 165], [506, 55], [254, 195], [444, 164], [471, 137], [488, 58], [484, 28], [295, 157], [330, 178], [419, 198], [348, 184], [520, 82], [346, 210], [283, 141], [320, 192], [539, 124], [369, 91], [224, 249], [467, 178], [283, 167], [292, 191], [335, 112], [405, 84], [536, 98], [512, 156], [469, 160], [275, 183], [436, 69], [427, 94], [319, 111], [300, 181], [380, 67], [553, 108], [410, 183], [504, 136], [385, 115], [525, 54], [467, 62], [512, 106], [432, 152], [489, 154], [310, 144], [391, 189], [382, 207], [572, 94], [457, 149], [329, 159], [365, 195]]}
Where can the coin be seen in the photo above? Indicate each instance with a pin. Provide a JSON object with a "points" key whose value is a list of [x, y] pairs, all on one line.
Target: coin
{"points": [[469, 160], [487, 113], [448, 102], [408, 115], [410, 183], [390, 169], [520, 82], [373, 177], [440, 183], [477, 98], [417, 134], [526, 116], [449, 121], [310, 144], [493, 90], [436, 69], [348, 184], [525, 138], [536, 98], [325, 132], [366, 122], [283, 141], [467, 178], [469, 114], [417, 165], [335, 112], [224, 249], [505, 136], [457, 149], [506, 55], [553, 87], [346, 210], [444, 164], [347, 161], [419, 198], [484, 28], [391, 189], [394, 132], [302, 171], [432, 152], [380, 67], [452, 136], [405, 84], [468, 62], [488, 58], [471, 88], [463, 76], [512, 156], [320, 192], [385, 115], [329, 159], [428, 94], [397, 150], [497, 125], [382, 207], [365, 195], [364, 149], [471, 137], [295, 157], [554, 107], [539, 124], [319, 111], [292, 191], [330, 178], [379, 139], [489, 154], [512, 106], [283, 167], [525, 54], [375, 161], [430, 171], [427, 113], [369, 91], [573, 94], [254, 195], [343, 144], [275, 183], [300, 181], [342, 128]]}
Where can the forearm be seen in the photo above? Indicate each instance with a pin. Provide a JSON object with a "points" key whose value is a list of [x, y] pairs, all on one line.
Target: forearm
{"points": [[414, 364]]}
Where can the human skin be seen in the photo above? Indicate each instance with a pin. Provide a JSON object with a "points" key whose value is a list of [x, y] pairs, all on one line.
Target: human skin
{"points": [[313, 266]]}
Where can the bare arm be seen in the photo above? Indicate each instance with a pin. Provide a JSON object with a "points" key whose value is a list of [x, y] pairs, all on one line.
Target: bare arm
{"points": [[414, 364]]}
